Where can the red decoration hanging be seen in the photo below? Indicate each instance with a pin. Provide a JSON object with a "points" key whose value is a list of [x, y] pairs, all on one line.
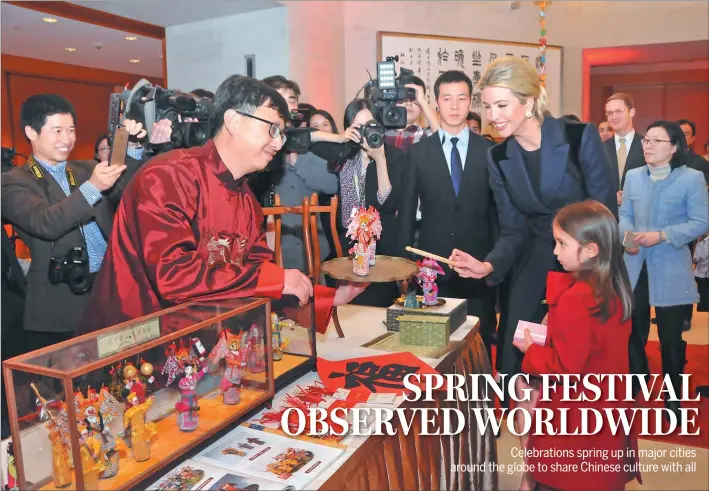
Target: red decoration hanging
{"points": [[543, 6]]}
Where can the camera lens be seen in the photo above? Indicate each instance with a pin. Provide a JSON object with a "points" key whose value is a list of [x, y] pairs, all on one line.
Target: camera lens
{"points": [[196, 134], [375, 140], [78, 281]]}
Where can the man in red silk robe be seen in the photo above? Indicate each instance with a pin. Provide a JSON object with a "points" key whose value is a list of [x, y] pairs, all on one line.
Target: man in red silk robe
{"points": [[189, 228]]}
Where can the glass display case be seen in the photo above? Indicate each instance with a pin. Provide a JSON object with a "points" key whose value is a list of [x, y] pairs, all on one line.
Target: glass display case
{"points": [[294, 340], [108, 409]]}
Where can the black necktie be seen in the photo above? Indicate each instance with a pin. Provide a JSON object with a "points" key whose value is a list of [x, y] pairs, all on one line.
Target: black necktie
{"points": [[456, 166]]}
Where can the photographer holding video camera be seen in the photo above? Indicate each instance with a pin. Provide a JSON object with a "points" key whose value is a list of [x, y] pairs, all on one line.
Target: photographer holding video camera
{"points": [[415, 109], [63, 212], [171, 119]]}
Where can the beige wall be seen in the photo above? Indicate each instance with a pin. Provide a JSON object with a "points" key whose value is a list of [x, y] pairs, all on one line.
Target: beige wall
{"points": [[317, 53], [328, 46]]}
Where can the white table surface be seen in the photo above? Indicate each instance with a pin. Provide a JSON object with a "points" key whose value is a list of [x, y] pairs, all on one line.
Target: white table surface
{"points": [[360, 325]]}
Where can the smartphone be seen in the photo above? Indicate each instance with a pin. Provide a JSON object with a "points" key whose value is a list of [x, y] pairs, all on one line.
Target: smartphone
{"points": [[119, 146], [629, 240]]}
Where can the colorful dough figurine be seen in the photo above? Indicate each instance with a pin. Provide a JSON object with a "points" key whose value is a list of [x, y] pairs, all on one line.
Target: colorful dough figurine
{"points": [[134, 383], [138, 433], [98, 413], [427, 273], [11, 478], [91, 464], [255, 358], [276, 337], [59, 438], [187, 419], [228, 348]]}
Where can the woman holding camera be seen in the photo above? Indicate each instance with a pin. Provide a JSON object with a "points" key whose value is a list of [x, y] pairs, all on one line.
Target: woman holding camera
{"points": [[369, 174]]}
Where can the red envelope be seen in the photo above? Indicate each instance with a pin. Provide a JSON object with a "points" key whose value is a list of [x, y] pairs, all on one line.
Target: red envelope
{"points": [[380, 374]]}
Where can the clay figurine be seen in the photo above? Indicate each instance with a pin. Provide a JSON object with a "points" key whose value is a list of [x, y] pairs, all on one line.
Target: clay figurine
{"points": [[429, 269]]}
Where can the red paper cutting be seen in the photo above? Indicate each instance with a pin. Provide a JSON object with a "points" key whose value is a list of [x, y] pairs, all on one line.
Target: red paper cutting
{"points": [[372, 374]]}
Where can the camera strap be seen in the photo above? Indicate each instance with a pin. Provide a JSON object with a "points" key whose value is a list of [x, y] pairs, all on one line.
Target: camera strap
{"points": [[38, 174]]}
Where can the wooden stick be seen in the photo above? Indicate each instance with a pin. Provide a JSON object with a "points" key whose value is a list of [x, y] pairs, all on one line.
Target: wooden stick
{"points": [[42, 400], [429, 255]]}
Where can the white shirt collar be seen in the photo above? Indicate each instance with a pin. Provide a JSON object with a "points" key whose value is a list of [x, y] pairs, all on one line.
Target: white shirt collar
{"points": [[463, 136], [628, 139]]}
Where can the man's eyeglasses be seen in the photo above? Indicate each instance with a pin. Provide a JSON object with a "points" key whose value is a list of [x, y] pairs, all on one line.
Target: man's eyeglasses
{"points": [[652, 142], [617, 111], [273, 129]]}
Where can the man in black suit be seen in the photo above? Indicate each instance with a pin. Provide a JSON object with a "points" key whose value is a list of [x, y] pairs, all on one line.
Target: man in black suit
{"points": [[447, 172], [693, 160], [625, 149]]}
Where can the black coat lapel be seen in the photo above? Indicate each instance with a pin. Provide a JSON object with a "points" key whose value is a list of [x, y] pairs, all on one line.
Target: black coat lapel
{"points": [[554, 158], [635, 154], [514, 172]]}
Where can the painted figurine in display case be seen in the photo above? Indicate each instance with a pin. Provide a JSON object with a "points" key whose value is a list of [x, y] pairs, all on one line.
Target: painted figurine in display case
{"points": [[255, 356], [179, 357], [62, 473], [187, 419], [228, 348], [11, 477], [91, 463], [138, 433], [98, 411], [276, 337], [135, 382], [58, 427]]}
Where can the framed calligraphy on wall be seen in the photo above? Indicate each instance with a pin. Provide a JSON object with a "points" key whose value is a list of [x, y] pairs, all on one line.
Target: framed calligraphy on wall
{"points": [[429, 56]]}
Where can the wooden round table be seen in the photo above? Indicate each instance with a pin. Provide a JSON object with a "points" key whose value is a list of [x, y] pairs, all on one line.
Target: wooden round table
{"points": [[385, 269]]}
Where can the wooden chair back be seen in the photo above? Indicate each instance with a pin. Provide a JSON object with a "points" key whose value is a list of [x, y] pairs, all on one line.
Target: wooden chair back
{"points": [[315, 209], [277, 211]]}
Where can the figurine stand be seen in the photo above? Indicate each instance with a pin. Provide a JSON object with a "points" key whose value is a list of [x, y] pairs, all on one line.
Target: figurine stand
{"points": [[386, 269]]}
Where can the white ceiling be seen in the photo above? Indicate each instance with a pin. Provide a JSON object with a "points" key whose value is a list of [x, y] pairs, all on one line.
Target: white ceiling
{"points": [[23, 33], [174, 12]]}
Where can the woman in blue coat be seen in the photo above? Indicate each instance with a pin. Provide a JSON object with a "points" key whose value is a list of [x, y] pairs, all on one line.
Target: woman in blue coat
{"points": [[665, 207], [543, 164]]}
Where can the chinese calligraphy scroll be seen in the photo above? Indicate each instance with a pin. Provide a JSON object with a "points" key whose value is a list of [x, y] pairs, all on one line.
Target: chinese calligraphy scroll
{"points": [[429, 56]]}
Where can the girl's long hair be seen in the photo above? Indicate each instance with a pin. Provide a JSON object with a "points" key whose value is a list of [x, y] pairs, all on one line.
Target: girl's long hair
{"points": [[591, 222]]}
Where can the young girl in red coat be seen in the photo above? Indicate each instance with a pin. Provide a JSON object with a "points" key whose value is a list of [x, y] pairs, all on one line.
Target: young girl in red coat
{"points": [[588, 329]]}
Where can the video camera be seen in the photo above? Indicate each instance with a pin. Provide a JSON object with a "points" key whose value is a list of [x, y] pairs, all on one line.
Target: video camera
{"points": [[387, 90], [149, 104]]}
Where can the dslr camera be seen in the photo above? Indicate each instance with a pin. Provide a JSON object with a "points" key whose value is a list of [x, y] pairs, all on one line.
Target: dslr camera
{"points": [[72, 268], [373, 134], [388, 89], [149, 103]]}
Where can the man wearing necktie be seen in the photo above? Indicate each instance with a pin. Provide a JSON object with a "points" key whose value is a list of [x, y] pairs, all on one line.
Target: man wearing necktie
{"points": [[624, 148], [448, 174]]}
